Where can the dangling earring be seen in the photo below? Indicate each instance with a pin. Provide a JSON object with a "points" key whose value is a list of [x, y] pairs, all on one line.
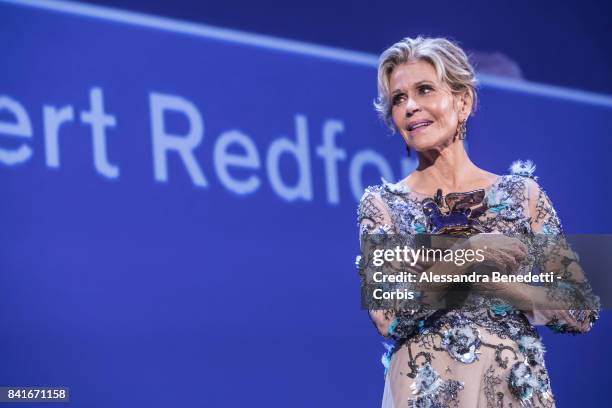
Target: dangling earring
{"points": [[461, 130]]}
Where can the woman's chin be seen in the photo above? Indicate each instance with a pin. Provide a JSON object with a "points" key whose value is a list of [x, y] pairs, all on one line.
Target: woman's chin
{"points": [[428, 144], [425, 147]]}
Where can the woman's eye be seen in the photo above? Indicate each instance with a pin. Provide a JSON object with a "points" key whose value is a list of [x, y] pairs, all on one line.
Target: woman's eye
{"points": [[397, 99], [425, 89]]}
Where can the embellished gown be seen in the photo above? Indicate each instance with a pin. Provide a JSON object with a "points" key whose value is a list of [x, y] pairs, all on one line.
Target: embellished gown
{"points": [[488, 355]]}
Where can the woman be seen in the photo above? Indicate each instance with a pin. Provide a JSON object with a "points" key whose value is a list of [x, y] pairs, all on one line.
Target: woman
{"points": [[487, 353]]}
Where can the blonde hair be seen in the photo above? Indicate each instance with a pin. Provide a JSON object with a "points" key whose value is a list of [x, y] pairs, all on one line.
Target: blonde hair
{"points": [[449, 60]]}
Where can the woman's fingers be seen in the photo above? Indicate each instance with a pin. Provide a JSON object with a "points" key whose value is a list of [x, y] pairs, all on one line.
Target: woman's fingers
{"points": [[504, 260]]}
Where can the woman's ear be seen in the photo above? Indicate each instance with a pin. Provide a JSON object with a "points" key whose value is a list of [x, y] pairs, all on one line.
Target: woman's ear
{"points": [[465, 105]]}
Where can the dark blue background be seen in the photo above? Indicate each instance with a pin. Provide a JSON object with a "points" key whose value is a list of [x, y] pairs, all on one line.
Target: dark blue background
{"points": [[562, 42], [136, 292]]}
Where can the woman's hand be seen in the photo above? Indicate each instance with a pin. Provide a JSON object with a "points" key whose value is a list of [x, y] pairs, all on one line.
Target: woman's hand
{"points": [[505, 254], [502, 254]]}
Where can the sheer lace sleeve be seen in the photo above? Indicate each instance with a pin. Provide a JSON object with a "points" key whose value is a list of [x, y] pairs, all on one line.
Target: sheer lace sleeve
{"points": [[569, 305], [374, 217]]}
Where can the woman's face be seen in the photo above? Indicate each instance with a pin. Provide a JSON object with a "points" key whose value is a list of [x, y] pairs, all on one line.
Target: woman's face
{"points": [[424, 110]]}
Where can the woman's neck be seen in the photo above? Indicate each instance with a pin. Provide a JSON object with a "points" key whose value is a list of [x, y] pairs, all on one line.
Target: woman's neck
{"points": [[449, 169]]}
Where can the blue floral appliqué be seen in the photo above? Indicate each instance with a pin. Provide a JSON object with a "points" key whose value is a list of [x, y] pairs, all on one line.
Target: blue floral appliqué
{"points": [[462, 343], [426, 382], [419, 228], [522, 382], [431, 391], [501, 309], [386, 357], [533, 349], [500, 203], [523, 168]]}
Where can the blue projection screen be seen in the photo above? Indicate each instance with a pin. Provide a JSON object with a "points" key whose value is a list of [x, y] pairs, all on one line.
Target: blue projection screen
{"points": [[179, 210]]}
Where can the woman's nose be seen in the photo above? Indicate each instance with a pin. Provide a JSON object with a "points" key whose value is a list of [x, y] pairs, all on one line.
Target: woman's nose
{"points": [[411, 107]]}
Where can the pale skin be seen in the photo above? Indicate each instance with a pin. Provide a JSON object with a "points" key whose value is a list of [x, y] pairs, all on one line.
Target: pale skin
{"points": [[418, 94]]}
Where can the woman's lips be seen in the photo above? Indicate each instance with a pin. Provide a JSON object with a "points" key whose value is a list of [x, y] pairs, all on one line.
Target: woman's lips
{"points": [[419, 127]]}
